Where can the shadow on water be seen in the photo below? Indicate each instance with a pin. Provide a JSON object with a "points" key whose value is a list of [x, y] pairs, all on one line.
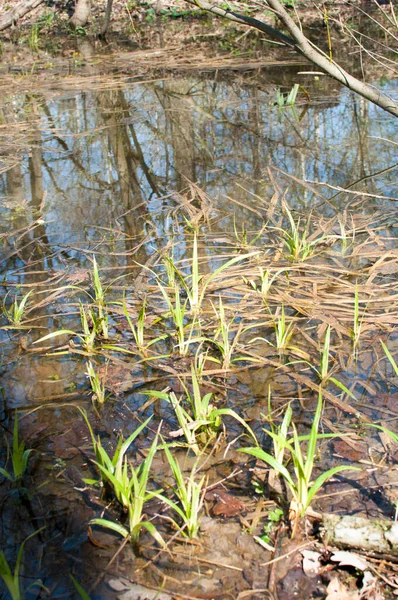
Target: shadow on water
{"points": [[110, 171]]}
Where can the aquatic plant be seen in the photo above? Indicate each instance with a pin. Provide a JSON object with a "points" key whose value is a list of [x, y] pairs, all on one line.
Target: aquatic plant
{"points": [[296, 241], [91, 330], [130, 485], [138, 330], [11, 579], [110, 467], [265, 282], [287, 99], [177, 312], [190, 494], [17, 311], [390, 358], [19, 456], [200, 421], [195, 284], [221, 339], [242, 238], [357, 324], [323, 373], [301, 486], [79, 588], [97, 383]]}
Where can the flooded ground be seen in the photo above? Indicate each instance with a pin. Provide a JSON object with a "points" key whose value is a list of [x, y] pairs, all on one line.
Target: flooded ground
{"points": [[250, 233]]}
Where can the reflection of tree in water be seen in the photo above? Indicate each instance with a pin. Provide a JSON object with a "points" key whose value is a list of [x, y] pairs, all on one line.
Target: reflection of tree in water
{"points": [[107, 153]]}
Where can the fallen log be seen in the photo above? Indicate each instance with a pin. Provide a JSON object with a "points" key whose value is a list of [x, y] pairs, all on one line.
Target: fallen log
{"points": [[12, 16], [372, 536]]}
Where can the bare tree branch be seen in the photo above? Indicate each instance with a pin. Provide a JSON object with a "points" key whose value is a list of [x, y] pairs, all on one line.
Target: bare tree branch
{"points": [[301, 44]]}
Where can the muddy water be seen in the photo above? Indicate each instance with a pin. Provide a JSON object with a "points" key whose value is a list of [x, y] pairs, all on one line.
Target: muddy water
{"points": [[107, 172]]}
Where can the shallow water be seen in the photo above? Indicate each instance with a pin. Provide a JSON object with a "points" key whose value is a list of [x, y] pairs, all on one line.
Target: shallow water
{"points": [[107, 172]]}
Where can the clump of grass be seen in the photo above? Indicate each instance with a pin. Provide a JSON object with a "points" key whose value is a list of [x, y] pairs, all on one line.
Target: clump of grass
{"points": [[138, 330], [266, 282], [185, 332], [109, 466], [222, 335], [91, 329], [242, 237], [19, 457], [190, 495], [200, 421], [296, 241], [300, 484], [130, 485], [16, 313], [195, 284], [97, 383]]}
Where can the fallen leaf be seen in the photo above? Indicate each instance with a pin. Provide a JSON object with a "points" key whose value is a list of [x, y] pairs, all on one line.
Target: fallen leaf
{"points": [[338, 591], [349, 559]]}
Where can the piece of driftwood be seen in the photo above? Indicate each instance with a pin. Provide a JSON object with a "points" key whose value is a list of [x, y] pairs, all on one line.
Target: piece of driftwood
{"points": [[11, 16], [369, 535]]}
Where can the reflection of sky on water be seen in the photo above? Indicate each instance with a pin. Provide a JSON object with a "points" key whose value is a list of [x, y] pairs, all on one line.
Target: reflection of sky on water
{"points": [[103, 154]]}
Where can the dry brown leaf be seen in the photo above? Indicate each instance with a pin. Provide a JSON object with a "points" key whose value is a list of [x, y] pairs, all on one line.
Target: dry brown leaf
{"points": [[338, 591]]}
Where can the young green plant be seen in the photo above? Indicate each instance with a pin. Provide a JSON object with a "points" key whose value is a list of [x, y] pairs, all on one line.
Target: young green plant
{"points": [[296, 241], [88, 337], [19, 457], [110, 467], [200, 421], [11, 579], [190, 494], [17, 311], [300, 483], [195, 285], [138, 330], [130, 485], [390, 358], [97, 383], [177, 312]]}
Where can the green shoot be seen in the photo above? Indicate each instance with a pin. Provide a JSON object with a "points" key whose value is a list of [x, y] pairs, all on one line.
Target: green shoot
{"points": [[301, 486], [390, 358], [324, 374], [90, 326], [190, 494], [110, 466], [265, 283], [17, 311], [391, 434], [200, 421], [138, 330], [242, 237], [195, 285], [19, 457], [11, 579], [356, 329], [130, 485], [221, 337], [177, 312], [97, 383], [296, 242], [79, 588], [289, 99]]}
